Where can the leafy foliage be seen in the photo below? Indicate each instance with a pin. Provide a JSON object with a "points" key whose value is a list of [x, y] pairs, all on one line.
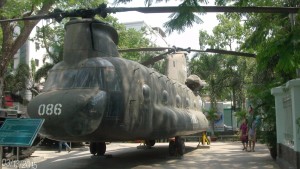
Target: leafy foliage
{"points": [[242, 114], [49, 37], [184, 18], [17, 80], [227, 76], [211, 116]]}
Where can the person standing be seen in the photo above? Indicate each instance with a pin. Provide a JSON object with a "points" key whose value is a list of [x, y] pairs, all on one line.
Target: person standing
{"points": [[244, 134], [65, 144], [252, 135]]}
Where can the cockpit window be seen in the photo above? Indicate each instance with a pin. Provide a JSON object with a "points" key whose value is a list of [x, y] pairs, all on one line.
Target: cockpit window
{"points": [[112, 79], [78, 78], [89, 78]]}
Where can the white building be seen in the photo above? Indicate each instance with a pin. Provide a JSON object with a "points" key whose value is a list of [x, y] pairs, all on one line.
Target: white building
{"points": [[29, 52]]}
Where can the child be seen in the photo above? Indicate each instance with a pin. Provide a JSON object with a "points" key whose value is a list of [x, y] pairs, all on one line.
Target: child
{"points": [[244, 134]]}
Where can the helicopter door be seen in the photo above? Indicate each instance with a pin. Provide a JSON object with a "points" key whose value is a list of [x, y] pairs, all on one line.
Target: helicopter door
{"points": [[115, 99]]}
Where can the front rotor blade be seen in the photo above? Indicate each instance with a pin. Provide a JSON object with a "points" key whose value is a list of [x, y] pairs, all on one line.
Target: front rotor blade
{"points": [[102, 10], [171, 9], [37, 17]]}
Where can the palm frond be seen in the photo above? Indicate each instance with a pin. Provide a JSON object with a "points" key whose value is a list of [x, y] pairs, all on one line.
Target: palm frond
{"points": [[184, 18]]}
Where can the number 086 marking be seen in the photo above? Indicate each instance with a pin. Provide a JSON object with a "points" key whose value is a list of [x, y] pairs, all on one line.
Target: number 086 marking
{"points": [[50, 109]]}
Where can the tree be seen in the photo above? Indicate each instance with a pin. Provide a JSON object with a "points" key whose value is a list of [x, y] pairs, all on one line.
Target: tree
{"points": [[227, 76], [14, 35], [50, 37]]}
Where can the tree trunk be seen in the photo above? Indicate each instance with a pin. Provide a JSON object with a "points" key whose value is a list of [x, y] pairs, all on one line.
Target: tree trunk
{"points": [[1, 92], [233, 99]]}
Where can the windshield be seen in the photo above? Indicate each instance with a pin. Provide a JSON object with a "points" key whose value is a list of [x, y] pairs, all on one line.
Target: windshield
{"points": [[90, 77]]}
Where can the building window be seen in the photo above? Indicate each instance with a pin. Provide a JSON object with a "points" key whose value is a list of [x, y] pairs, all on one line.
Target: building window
{"points": [[36, 62]]}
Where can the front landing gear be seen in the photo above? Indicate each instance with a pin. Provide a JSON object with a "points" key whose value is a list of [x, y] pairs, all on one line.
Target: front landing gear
{"points": [[147, 144], [176, 147], [97, 148], [150, 143]]}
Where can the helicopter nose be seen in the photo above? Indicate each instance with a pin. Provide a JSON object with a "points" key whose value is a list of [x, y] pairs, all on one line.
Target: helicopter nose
{"points": [[69, 114], [88, 117]]}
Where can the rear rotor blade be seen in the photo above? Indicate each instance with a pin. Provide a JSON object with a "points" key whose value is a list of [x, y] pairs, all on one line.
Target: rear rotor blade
{"points": [[157, 58], [176, 49], [147, 49], [227, 52]]}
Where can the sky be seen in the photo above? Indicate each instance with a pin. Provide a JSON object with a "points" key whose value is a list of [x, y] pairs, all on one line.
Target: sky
{"points": [[188, 38]]}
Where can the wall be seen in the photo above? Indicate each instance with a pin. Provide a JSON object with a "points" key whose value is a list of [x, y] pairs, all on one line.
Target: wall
{"points": [[287, 99]]}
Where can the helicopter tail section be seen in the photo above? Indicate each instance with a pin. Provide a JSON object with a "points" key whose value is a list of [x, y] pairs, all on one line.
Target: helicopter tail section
{"points": [[177, 67]]}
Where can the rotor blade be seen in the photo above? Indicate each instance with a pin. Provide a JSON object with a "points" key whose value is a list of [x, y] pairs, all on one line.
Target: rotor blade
{"points": [[59, 14], [147, 49], [220, 51], [176, 49], [37, 17], [155, 59], [171, 9], [102, 10]]}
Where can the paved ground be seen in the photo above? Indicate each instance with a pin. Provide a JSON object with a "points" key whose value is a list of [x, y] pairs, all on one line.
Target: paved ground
{"points": [[221, 155]]}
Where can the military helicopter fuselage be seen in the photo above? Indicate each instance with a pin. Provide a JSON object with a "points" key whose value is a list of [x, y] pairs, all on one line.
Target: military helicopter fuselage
{"points": [[95, 95]]}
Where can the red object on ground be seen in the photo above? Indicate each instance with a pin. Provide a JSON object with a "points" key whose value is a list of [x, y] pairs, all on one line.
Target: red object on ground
{"points": [[8, 101]]}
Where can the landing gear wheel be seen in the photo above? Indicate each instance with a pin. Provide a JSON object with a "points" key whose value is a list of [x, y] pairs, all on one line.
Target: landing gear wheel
{"points": [[150, 143], [101, 148], [179, 142], [93, 148], [98, 149], [176, 147], [172, 148]]}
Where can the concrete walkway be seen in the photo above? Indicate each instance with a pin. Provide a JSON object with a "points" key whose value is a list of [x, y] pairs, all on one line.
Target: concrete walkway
{"points": [[220, 155], [229, 155]]}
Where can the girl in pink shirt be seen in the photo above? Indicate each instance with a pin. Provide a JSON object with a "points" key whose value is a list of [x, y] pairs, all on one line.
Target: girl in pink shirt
{"points": [[244, 134]]}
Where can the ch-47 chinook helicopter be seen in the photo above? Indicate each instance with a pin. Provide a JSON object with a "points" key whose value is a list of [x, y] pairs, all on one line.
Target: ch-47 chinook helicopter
{"points": [[96, 96]]}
